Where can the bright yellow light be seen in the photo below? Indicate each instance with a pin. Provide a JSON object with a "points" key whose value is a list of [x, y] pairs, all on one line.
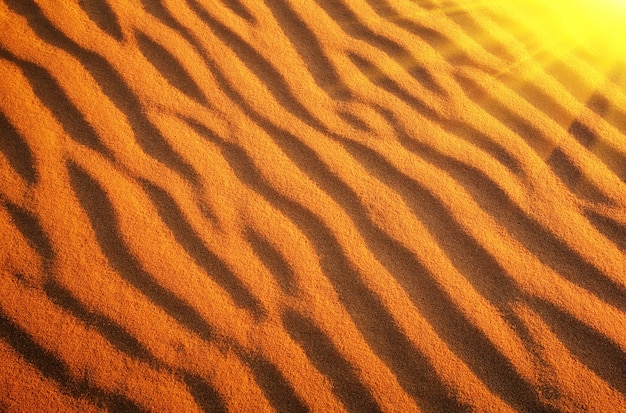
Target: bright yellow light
{"points": [[597, 26]]}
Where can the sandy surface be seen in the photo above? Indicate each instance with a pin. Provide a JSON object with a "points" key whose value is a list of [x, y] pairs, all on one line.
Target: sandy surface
{"points": [[316, 205]]}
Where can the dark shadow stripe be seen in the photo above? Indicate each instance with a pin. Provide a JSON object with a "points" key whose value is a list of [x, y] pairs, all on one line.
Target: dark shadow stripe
{"points": [[55, 369], [16, 150], [187, 237], [535, 138], [474, 29], [460, 334], [147, 136], [45, 361], [100, 12], [587, 345], [582, 134], [478, 138], [415, 373], [352, 25], [54, 98], [541, 242], [611, 228], [274, 386], [564, 169], [599, 104], [158, 10], [307, 45], [29, 226], [370, 316], [207, 398], [109, 329], [434, 38], [204, 395], [573, 81], [260, 66], [377, 77], [241, 10], [473, 261], [361, 302], [346, 385], [104, 222], [572, 176], [273, 260], [610, 156], [454, 54], [606, 153], [616, 117], [550, 105], [354, 121], [169, 67], [469, 134]]}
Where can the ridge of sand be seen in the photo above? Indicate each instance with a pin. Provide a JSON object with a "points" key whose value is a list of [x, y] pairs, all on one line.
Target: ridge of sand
{"points": [[321, 205]]}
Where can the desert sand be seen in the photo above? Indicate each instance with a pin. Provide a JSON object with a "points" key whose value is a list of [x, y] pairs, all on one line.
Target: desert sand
{"points": [[316, 205]]}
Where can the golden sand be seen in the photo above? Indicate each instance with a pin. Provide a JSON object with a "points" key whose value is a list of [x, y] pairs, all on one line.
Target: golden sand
{"points": [[320, 205]]}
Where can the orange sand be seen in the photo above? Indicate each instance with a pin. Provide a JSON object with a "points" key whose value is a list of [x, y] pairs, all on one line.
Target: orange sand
{"points": [[320, 205]]}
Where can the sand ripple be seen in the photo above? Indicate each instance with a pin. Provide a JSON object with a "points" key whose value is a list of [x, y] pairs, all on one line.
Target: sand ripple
{"points": [[321, 205]]}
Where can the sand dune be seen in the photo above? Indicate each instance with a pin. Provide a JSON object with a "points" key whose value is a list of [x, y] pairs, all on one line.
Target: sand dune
{"points": [[321, 205]]}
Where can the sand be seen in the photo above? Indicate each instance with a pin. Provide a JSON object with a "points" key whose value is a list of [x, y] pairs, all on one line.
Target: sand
{"points": [[317, 205]]}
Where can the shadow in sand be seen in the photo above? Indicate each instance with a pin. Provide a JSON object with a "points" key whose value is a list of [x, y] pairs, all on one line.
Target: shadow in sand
{"points": [[55, 369], [104, 222], [17, 151]]}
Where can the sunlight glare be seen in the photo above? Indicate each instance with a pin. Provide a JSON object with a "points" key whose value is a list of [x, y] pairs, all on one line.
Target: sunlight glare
{"points": [[598, 27]]}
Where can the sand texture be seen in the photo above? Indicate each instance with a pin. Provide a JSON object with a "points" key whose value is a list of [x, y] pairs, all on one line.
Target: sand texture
{"points": [[307, 205]]}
